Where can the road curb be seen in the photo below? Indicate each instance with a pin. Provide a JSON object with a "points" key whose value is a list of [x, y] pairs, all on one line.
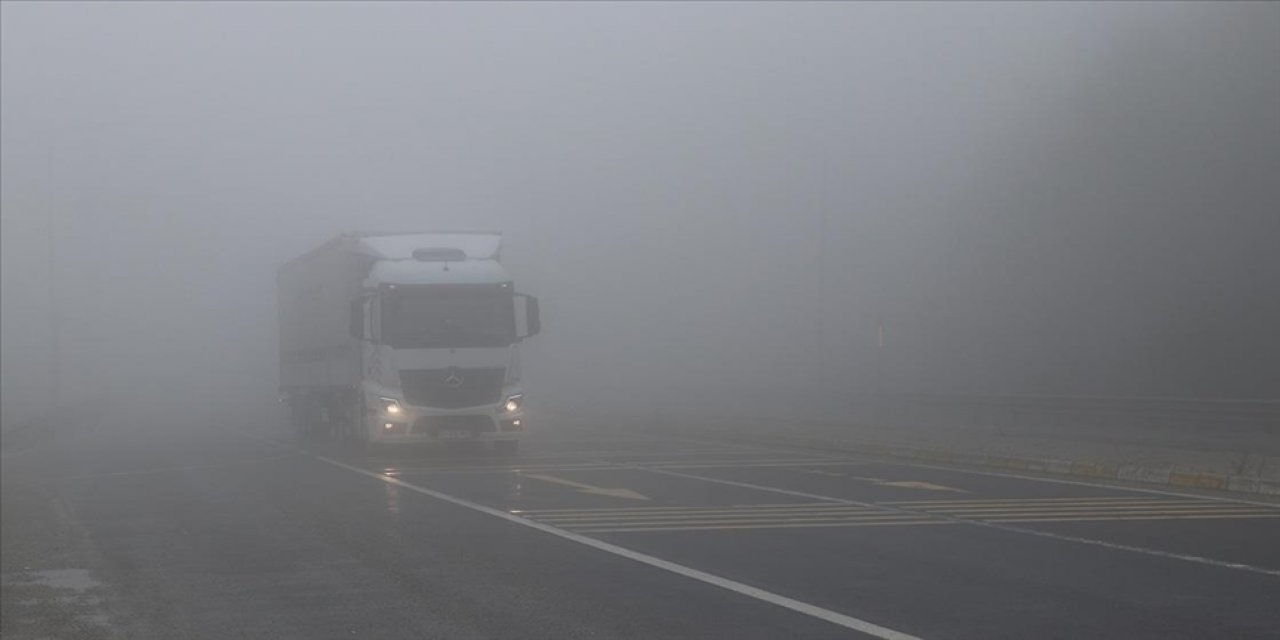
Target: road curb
{"points": [[1084, 468]]}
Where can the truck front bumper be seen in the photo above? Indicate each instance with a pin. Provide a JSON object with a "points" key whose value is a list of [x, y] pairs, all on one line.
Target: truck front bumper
{"points": [[425, 424]]}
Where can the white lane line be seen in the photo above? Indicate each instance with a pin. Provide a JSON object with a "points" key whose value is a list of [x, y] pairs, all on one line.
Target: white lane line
{"points": [[840, 619], [990, 525]]}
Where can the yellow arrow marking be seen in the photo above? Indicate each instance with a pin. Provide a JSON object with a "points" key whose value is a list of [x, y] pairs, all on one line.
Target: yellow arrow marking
{"points": [[586, 488]]}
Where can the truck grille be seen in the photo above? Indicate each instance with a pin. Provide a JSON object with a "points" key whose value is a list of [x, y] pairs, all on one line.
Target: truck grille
{"points": [[433, 425], [452, 388]]}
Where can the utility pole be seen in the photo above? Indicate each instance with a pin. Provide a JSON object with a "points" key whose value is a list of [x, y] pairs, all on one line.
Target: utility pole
{"points": [[55, 339], [821, 387]]}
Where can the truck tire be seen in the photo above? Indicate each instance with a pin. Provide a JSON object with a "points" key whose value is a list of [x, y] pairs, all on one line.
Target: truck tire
{"points": [[355, 433], [301, 414]]}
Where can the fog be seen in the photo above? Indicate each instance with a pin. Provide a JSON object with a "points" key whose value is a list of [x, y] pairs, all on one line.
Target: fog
{"points": [[720, 198]]}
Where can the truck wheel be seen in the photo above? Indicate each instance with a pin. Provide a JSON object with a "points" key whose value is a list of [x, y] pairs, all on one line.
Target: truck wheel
{"points": [[354, 430], [302, 413]]}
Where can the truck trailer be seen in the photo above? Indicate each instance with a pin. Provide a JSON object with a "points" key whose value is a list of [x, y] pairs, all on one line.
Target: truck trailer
{"points": [[404, 338]]}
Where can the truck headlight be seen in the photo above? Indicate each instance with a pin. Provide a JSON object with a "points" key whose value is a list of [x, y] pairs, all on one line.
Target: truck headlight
{"points": [[391, 406], [513, 403]]}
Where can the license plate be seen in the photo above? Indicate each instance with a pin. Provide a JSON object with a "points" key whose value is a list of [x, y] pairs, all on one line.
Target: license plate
{"points": [[455, 434]]}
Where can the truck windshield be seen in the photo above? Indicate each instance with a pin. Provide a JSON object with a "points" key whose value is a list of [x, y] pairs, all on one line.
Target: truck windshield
{"points": [[459, 316]]}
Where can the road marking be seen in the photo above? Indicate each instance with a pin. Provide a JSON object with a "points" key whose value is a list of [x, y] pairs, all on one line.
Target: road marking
{"points": [[990, 525], [910, 503], [820, 472], [525, 512], [927, 486], [1095, 485], [1070, 505], [514, 468], [1206, 508], [1169, 517], [993, 515], [866, 458], [903, 523], [825, 509], [855, 517], [839, 619], [694, 464], [583, 487]]}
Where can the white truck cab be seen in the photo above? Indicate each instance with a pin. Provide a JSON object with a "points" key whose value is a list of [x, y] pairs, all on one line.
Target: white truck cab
{"points": [[429, 348]]}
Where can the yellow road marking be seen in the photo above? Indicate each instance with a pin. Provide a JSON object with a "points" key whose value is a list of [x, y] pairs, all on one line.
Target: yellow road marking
{"points": [[586, 488], [715, 520], [692, 464], [964, 511], [1182, 517], [535, 512], [1107, 514], [907, 503], [1090, 503], [770, 526], [708, 512]]}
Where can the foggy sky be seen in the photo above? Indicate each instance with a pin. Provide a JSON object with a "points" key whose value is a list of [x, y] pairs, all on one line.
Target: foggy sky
{"points": [[1032, 198]]}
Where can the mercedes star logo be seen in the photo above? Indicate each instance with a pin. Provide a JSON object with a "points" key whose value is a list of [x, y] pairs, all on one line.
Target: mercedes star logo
{"points": [[454, 379]]}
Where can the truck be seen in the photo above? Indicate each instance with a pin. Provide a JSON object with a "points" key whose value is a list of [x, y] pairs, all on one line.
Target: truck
{"points": [[397, 338]]}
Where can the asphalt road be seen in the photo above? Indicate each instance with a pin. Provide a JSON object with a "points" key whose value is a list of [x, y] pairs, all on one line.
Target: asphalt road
{"points": [[236, 532]]}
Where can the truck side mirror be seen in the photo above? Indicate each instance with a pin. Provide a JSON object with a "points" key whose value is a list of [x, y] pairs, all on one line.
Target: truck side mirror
{"points": [[356, 322], [528, 322]]}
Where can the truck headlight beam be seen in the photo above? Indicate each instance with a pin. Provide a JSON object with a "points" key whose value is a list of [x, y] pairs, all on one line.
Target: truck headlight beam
{"points": [[391, 406], [513, 403]]}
